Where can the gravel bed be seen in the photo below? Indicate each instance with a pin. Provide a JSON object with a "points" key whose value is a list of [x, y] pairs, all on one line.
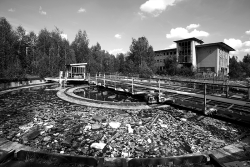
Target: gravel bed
{"points": [[38, 118]]}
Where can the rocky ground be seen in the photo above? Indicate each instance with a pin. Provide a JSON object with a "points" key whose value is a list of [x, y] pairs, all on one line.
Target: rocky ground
{"points": [[38, 118]]}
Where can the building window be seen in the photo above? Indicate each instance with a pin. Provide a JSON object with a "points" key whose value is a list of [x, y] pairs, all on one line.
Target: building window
{"points": [[185, 59], [206, 69]]}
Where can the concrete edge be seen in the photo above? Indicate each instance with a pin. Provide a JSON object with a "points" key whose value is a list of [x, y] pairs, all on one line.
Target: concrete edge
{"points": [[224, 155], [61, 94], [25, 87]]}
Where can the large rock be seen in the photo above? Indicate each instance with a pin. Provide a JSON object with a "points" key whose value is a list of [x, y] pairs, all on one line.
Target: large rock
{"points": [[47, 138], [66, 143], [98, 118], [75, 144], [98, 146], [115, 125], [46, 128], [96, 127], [31, 134], [130, 130]]}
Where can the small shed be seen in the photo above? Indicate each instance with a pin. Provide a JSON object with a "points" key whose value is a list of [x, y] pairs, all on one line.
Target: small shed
{"points": [[76, 70]]}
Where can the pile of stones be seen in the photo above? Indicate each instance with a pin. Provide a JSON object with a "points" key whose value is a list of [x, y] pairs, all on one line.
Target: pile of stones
{"points": [[43, 121]]}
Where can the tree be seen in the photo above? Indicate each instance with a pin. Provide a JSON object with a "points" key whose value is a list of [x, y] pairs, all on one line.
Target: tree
{"points": [[7, 50], [121, 62], [245, 64], [47, 53], [145, 71], [21, 46], [235, 69], [32, 41], [141, 51], [170, 65], [81, 47]]}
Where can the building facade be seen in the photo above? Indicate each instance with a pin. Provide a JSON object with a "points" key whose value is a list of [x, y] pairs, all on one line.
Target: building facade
{"points": [[211, 57]]}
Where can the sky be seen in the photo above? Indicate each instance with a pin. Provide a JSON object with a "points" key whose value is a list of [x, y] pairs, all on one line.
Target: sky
{"points": [[113, 23]]}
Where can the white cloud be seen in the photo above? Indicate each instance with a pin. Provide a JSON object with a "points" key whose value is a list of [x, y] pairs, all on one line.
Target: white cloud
{"points": [[247, 43], [234, 43], [238, 45], [11, 10], [236, 52], [248, 32], [64, 36], [191, 26], [119, 36], [41, 11], [246, 50], [142, 16], [173, 45], [180, 32], [116, 51], [81, 10], [156, 7]]}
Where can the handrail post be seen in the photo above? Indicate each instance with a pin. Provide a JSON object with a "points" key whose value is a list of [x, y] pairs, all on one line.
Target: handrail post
{"points": [[159, 85], [205, 97], [115, 81], [248, 93], [227, 89], [132, 85], [248, 84], [104, 80], [60, 77], [96, 78]]}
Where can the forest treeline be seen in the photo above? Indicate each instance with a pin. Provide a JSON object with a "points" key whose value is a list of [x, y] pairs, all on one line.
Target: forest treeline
{"points": [[239, 69], [46, 53]]}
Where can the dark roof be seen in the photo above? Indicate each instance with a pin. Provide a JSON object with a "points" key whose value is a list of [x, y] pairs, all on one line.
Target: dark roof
{"points": [[221, 44], [190, 39], [174, 49]]}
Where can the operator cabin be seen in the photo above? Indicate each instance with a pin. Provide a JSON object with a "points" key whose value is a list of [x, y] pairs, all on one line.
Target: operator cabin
{"points": [[211, 57]]}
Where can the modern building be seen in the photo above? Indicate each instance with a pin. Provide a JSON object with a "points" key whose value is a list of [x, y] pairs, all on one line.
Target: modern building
{"points": [[211, 57]]}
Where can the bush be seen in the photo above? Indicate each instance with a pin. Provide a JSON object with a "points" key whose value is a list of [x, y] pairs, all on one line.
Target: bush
{"points": [[145, 71]]}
